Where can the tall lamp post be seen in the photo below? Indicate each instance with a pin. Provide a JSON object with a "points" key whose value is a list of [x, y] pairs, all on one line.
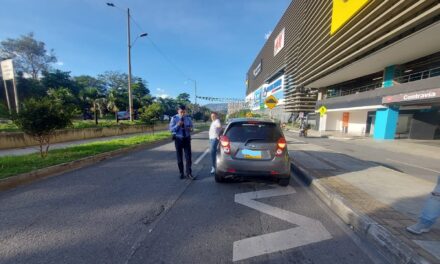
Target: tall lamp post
{"points": [[130, 45], [195, 90]]}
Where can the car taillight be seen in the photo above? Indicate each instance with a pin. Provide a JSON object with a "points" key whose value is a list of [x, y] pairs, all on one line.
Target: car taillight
{"points": [[281, 145], [226, 145]]}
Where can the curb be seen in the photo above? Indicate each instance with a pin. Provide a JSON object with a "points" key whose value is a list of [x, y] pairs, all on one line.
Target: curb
{"points": [[29, 177], [391, 247]]}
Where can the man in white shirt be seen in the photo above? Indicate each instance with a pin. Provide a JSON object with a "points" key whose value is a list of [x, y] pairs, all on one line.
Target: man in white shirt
{"points": [[214, 136]]}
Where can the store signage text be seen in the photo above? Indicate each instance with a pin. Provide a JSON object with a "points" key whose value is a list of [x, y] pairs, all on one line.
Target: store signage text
{"points": [[257, 70], [274, 87], [422, 95], [278, 43]]}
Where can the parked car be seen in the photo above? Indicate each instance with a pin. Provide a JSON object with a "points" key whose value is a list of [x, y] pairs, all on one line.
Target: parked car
{"points": [[87, 115], [123, 115], [251, 148]]}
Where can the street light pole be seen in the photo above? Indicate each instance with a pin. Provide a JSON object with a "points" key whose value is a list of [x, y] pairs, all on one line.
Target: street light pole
{"points": [[130, 98], [130, 45], [195, 92]]}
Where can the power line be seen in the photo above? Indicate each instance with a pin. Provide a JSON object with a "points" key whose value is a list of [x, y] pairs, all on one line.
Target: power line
{"points": [[221, 99], [160, 51]]}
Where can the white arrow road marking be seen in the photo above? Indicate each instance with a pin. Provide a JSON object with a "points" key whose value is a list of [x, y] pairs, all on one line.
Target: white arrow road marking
{"points": [[307, 231], [201, 156]]}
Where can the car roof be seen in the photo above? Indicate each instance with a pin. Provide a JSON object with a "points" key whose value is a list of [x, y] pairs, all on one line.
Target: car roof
{"points": [[241, 120]]}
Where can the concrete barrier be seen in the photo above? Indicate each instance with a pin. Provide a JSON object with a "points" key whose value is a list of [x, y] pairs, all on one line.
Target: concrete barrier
{"points": [[9, 140]]}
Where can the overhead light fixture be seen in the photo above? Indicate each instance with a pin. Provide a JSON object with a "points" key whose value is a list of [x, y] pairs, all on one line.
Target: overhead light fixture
{"points": [[407, 71], [377, 78]]}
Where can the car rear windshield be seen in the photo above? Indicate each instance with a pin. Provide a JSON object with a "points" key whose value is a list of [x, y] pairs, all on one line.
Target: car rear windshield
{"points": [[241, 132]]}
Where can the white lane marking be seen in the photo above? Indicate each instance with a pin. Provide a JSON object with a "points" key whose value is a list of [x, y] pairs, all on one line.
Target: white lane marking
{"points": [[415, 166], [201, 156], [307, 231]]}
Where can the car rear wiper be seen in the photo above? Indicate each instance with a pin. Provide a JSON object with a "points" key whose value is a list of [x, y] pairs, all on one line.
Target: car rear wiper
{"points": [[253, 139]]}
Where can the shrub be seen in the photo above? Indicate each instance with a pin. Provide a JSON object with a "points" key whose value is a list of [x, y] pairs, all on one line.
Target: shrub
{"points": [[40, 118]]}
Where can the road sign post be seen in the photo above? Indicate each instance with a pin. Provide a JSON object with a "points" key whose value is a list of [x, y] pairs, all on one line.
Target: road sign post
{"points": [[8, 74], [322, 111], [7, 96], [271, 102]]}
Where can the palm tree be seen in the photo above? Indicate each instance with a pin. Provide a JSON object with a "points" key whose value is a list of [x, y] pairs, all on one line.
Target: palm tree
{"points": [[111, 103], [91, 96]]}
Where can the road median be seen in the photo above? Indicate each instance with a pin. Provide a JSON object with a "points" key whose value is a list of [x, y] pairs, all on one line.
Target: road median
{"points": [[18, 170]]}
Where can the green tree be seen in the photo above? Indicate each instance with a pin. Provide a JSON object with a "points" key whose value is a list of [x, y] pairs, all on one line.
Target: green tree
{"points": [[60, 79], [140, 91], [111, 103], [30, 56], [116, 83], [93, 98], [169, 106], [28, 87], [40, 118], [64, 97], [152, 113], [84, 81], [183, 99]]}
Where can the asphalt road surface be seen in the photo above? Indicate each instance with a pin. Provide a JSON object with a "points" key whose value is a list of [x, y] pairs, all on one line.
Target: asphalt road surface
{"points": [[134, 209]]}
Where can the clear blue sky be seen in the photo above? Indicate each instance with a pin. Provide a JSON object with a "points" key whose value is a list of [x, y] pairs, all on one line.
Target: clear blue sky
{"points": [[213, 42]]}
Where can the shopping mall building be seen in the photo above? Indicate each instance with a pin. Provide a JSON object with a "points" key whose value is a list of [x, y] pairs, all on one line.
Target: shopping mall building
{"points": [[373, 64]]}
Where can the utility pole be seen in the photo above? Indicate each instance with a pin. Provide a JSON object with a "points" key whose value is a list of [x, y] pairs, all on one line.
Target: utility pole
{"points": [[130, 98]]}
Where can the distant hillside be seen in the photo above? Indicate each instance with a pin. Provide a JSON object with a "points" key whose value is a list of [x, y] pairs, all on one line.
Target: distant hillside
{"points": [[220, 107]]}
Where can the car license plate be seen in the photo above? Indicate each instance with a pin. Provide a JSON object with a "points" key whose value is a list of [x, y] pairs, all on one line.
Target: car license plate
{"points": [[251, 154]]}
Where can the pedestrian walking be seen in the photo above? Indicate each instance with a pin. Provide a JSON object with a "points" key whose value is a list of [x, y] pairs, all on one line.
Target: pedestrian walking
{"points": [[214, 136], [181, 127], [430, 212]]}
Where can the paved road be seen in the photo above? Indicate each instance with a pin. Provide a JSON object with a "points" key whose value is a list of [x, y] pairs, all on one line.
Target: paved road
{"points": [[134, 209], [418, 166]]}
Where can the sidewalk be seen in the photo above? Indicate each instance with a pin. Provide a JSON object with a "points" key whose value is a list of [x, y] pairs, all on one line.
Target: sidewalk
{"points": [[378, 202], [425, 148]]}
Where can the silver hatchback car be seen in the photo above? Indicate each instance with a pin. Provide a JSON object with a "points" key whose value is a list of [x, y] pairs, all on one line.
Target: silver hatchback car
{"points": [[252, 147]]}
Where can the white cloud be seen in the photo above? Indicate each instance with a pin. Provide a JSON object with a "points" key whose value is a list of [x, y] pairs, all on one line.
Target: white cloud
{"points": [[267, 35], [60, 63], [161, 93]]}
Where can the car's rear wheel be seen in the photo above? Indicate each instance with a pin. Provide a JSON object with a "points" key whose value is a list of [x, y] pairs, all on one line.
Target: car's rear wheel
{"points": [[284, 181], [219, 178]]}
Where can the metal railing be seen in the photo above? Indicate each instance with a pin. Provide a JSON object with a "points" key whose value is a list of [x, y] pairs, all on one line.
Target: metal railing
{"points": [[418, 76], [361, 89]]}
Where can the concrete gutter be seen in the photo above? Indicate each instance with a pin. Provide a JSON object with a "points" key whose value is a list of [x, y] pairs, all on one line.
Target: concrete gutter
{"points": [[29, 177], [390, 246]]}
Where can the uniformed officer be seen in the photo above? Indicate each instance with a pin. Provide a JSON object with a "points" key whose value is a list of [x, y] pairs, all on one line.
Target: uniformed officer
{"points": [[181, 127]]}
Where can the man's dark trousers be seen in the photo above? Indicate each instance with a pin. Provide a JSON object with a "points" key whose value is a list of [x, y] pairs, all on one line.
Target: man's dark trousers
{"points": [[183, 144]]}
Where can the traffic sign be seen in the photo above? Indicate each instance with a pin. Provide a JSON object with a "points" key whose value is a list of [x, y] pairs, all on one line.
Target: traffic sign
{"points": [[7, 70], [322, 110], [271, 102]]}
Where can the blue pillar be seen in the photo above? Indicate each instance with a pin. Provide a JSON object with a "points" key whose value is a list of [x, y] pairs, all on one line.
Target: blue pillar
{"points": [[385, 125]]}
